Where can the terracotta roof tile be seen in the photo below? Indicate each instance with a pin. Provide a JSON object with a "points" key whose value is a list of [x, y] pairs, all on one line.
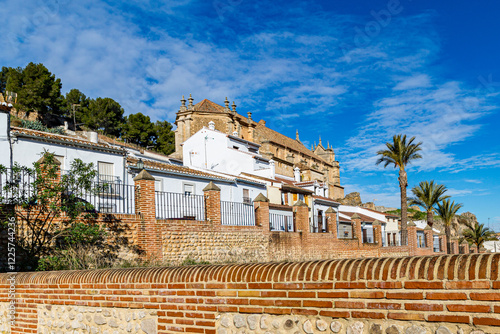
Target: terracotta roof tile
{"points": [[207, 105], [47, 136], [325, 199], [174, 168], [364, 218], [283, 140]]}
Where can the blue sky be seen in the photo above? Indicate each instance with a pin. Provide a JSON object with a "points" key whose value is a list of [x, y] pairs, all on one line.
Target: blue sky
{"points": [[354, 72]]}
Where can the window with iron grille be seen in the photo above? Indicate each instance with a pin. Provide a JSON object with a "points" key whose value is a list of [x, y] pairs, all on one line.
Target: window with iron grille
{"points": [[246, 196], [188, 189]]}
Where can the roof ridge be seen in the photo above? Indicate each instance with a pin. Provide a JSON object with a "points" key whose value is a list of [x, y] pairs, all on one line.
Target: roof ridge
{"points": [[207, 105]]}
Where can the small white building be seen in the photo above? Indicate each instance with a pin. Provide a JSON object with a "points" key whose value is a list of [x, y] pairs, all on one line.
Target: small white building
{"points": [[212, 150]]}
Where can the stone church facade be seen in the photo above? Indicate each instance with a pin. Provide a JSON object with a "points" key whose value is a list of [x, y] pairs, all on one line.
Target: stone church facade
{"points": [[318, 164]]}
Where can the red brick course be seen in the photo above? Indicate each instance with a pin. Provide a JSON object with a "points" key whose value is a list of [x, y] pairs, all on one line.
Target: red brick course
{"points": [[189, 298]]}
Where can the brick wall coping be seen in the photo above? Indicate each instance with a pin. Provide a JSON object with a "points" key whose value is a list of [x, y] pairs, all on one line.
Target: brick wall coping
{"points": [[470, 267]]}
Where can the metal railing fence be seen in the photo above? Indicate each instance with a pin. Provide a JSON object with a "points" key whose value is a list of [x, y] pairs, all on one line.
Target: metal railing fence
{"points": [[237, 214], [179, 206]]}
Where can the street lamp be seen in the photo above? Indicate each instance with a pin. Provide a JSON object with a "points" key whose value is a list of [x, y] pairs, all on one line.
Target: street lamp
{"points": [[140, 164]]}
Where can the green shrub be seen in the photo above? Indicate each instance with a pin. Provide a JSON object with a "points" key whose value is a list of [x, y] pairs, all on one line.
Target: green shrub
{"points": [[39, 126]]}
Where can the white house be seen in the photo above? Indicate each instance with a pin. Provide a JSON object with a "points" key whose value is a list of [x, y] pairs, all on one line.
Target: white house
{"points": [[26, 146], [212, 150]]}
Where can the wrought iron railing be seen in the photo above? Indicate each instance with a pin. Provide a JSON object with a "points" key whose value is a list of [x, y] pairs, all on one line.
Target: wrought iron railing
{"points": [[20, 186], [421, 242], [238, 214], [179, 206], [395, 238], [318, 224], [110, 198], [367, 235], [436, 243], [281, 221], [16, 185]]}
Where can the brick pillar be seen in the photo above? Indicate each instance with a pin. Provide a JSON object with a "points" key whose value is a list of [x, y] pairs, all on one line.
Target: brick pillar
{"points": [[44, 165], [473, 249], [301, 211], [261, 206], [465, 246], [212, 204], [331, 221], [412, 238], [429, 237], [356, 228], [149, 234], [442, 242], [377, 233]]}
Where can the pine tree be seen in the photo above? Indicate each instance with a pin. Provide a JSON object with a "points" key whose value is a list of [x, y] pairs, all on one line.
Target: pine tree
{"points": [[165, 143], [138, 129], [37, 88], [104, 115]]}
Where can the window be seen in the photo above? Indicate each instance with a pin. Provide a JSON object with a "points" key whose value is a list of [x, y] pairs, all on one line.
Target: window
{"points": [[188, 189], [246, 196], [158, 185], [106, 171], [235, 147]]}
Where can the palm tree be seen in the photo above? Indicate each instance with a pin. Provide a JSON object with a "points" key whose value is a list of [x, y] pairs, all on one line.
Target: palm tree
{"points": [[478, 234], [427, 195], [447, 210], [400, 153]]}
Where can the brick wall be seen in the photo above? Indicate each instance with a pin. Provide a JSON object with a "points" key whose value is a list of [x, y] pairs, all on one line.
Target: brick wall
{"points": [[436, 294]]}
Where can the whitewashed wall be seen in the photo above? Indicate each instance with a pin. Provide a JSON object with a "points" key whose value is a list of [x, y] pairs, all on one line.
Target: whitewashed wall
{"points": [[4, 143], [213, 150], [26, 152], [230, 190]]}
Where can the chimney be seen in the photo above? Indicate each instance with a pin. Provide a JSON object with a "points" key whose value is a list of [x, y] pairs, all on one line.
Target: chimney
{"points": [[211, 125], [296, 174], [93, 137], [272, 164]]}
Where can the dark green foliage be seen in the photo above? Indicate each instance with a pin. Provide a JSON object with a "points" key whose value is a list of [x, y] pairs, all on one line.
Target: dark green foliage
{"points": [[3, 78], [37, 89], [447, 210], [400, 153], [139, 130], [477, 234], [104, 115], [427, 195], [50, 207], [165, 142], [76, 101]]}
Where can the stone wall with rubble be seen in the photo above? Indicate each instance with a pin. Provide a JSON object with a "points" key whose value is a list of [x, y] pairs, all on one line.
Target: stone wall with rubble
{"points": [[286, 324], [457, 294], [76, 319], [4, 318], [214, 246]]}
